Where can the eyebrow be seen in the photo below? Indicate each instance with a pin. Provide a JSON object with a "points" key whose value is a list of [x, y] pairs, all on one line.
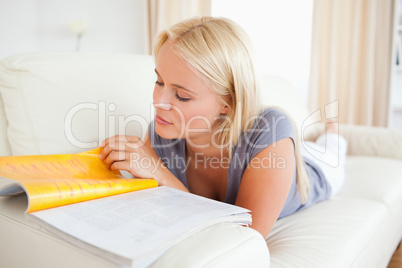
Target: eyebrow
{"points": [[178, 86]]}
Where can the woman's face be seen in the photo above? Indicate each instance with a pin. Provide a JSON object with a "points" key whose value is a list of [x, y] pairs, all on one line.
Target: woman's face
{"points": [[186, 108]]}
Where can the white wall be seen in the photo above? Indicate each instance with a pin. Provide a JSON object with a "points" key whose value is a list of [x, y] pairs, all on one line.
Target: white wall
{"points": [[43, 25], [281, 34], [18, 27]]}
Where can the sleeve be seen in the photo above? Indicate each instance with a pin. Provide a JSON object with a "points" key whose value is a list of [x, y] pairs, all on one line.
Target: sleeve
{"points": [[271, 126]]}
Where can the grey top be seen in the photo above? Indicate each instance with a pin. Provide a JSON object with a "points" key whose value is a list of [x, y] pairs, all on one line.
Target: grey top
{"points": [[272, 125]]}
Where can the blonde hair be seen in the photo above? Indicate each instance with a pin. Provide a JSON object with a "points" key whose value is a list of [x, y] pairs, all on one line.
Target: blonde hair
{"points": [[221, 52]]}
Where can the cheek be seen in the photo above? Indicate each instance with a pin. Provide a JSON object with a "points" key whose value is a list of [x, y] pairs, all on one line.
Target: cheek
{"points": [[184, 114], [198, 116]]}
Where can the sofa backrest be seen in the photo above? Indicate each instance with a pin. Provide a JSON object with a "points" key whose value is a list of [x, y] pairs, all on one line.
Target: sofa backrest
{"points": [[69, 102]]}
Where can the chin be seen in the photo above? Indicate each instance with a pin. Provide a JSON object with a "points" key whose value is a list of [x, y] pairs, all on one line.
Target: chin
{"points": [[167, 132]]}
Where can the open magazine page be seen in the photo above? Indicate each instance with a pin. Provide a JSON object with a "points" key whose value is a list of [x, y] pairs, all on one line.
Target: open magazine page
{"points": [[135, 228], [57, 180]]}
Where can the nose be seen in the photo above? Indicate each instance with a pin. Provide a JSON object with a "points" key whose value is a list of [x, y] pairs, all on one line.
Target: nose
{"points": [[162, 99], [163, 106]]}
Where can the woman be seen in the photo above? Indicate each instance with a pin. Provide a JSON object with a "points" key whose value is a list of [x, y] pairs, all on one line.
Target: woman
{"points": [[212, 134]]}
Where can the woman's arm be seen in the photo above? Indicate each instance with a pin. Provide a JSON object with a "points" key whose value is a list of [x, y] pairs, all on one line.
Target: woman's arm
{"points": [[139, 158], [265, 184]]}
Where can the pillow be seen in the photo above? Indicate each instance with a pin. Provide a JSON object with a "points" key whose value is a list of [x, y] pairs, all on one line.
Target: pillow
{"points": [[69, 102], [4, 145]]}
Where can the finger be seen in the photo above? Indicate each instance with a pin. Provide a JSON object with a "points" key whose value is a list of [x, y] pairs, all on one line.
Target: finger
{"points": [[123, 165], [105, 152], [107, 141], [135, 143], [115, 143], [115, 156], [120, 143], [112, 140]]}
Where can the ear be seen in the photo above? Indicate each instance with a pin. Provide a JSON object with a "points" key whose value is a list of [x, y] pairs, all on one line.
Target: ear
{"points": [[224, 110]]}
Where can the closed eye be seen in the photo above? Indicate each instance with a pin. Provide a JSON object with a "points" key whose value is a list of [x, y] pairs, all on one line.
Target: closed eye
{"points": [[176, 95], [181, 99]]}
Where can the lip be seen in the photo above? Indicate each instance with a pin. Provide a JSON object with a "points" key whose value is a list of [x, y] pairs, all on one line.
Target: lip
{"points": [[161, 121]]}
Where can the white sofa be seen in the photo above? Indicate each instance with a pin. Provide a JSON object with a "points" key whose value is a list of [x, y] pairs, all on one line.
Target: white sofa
{"points": [[68, 102]]}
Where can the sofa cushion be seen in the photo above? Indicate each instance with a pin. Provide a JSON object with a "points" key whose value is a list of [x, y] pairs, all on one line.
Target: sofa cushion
{"points": [[375, 178], [383, 243], [329, 234], [345, 225], [68, 102]]}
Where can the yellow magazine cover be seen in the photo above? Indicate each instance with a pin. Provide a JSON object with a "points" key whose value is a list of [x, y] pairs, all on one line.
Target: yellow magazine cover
{"points": [[56, 180]]}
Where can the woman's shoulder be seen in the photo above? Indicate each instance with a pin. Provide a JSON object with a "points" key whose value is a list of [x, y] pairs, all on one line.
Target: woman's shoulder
{"points": [[273, 118], [272, 111], [270, 125]]}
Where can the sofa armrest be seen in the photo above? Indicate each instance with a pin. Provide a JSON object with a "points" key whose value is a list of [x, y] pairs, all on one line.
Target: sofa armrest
{"points": [[373, 141], [223, 245]]}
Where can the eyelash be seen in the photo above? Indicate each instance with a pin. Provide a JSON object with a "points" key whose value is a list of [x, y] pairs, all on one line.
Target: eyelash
{"points": [[181, 99], [176, 95]]}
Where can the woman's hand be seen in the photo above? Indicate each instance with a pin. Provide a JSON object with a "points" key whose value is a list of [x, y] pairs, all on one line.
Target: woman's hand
{"points": [[139, 158], [130, 153]]}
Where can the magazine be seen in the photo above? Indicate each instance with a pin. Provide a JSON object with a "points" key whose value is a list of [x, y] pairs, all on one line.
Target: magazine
{"points": [[61, 179], [74, 197]]}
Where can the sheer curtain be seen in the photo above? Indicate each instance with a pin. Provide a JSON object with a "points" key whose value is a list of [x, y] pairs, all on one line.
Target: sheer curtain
{"points": [[351, 59], [164, 13]]}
